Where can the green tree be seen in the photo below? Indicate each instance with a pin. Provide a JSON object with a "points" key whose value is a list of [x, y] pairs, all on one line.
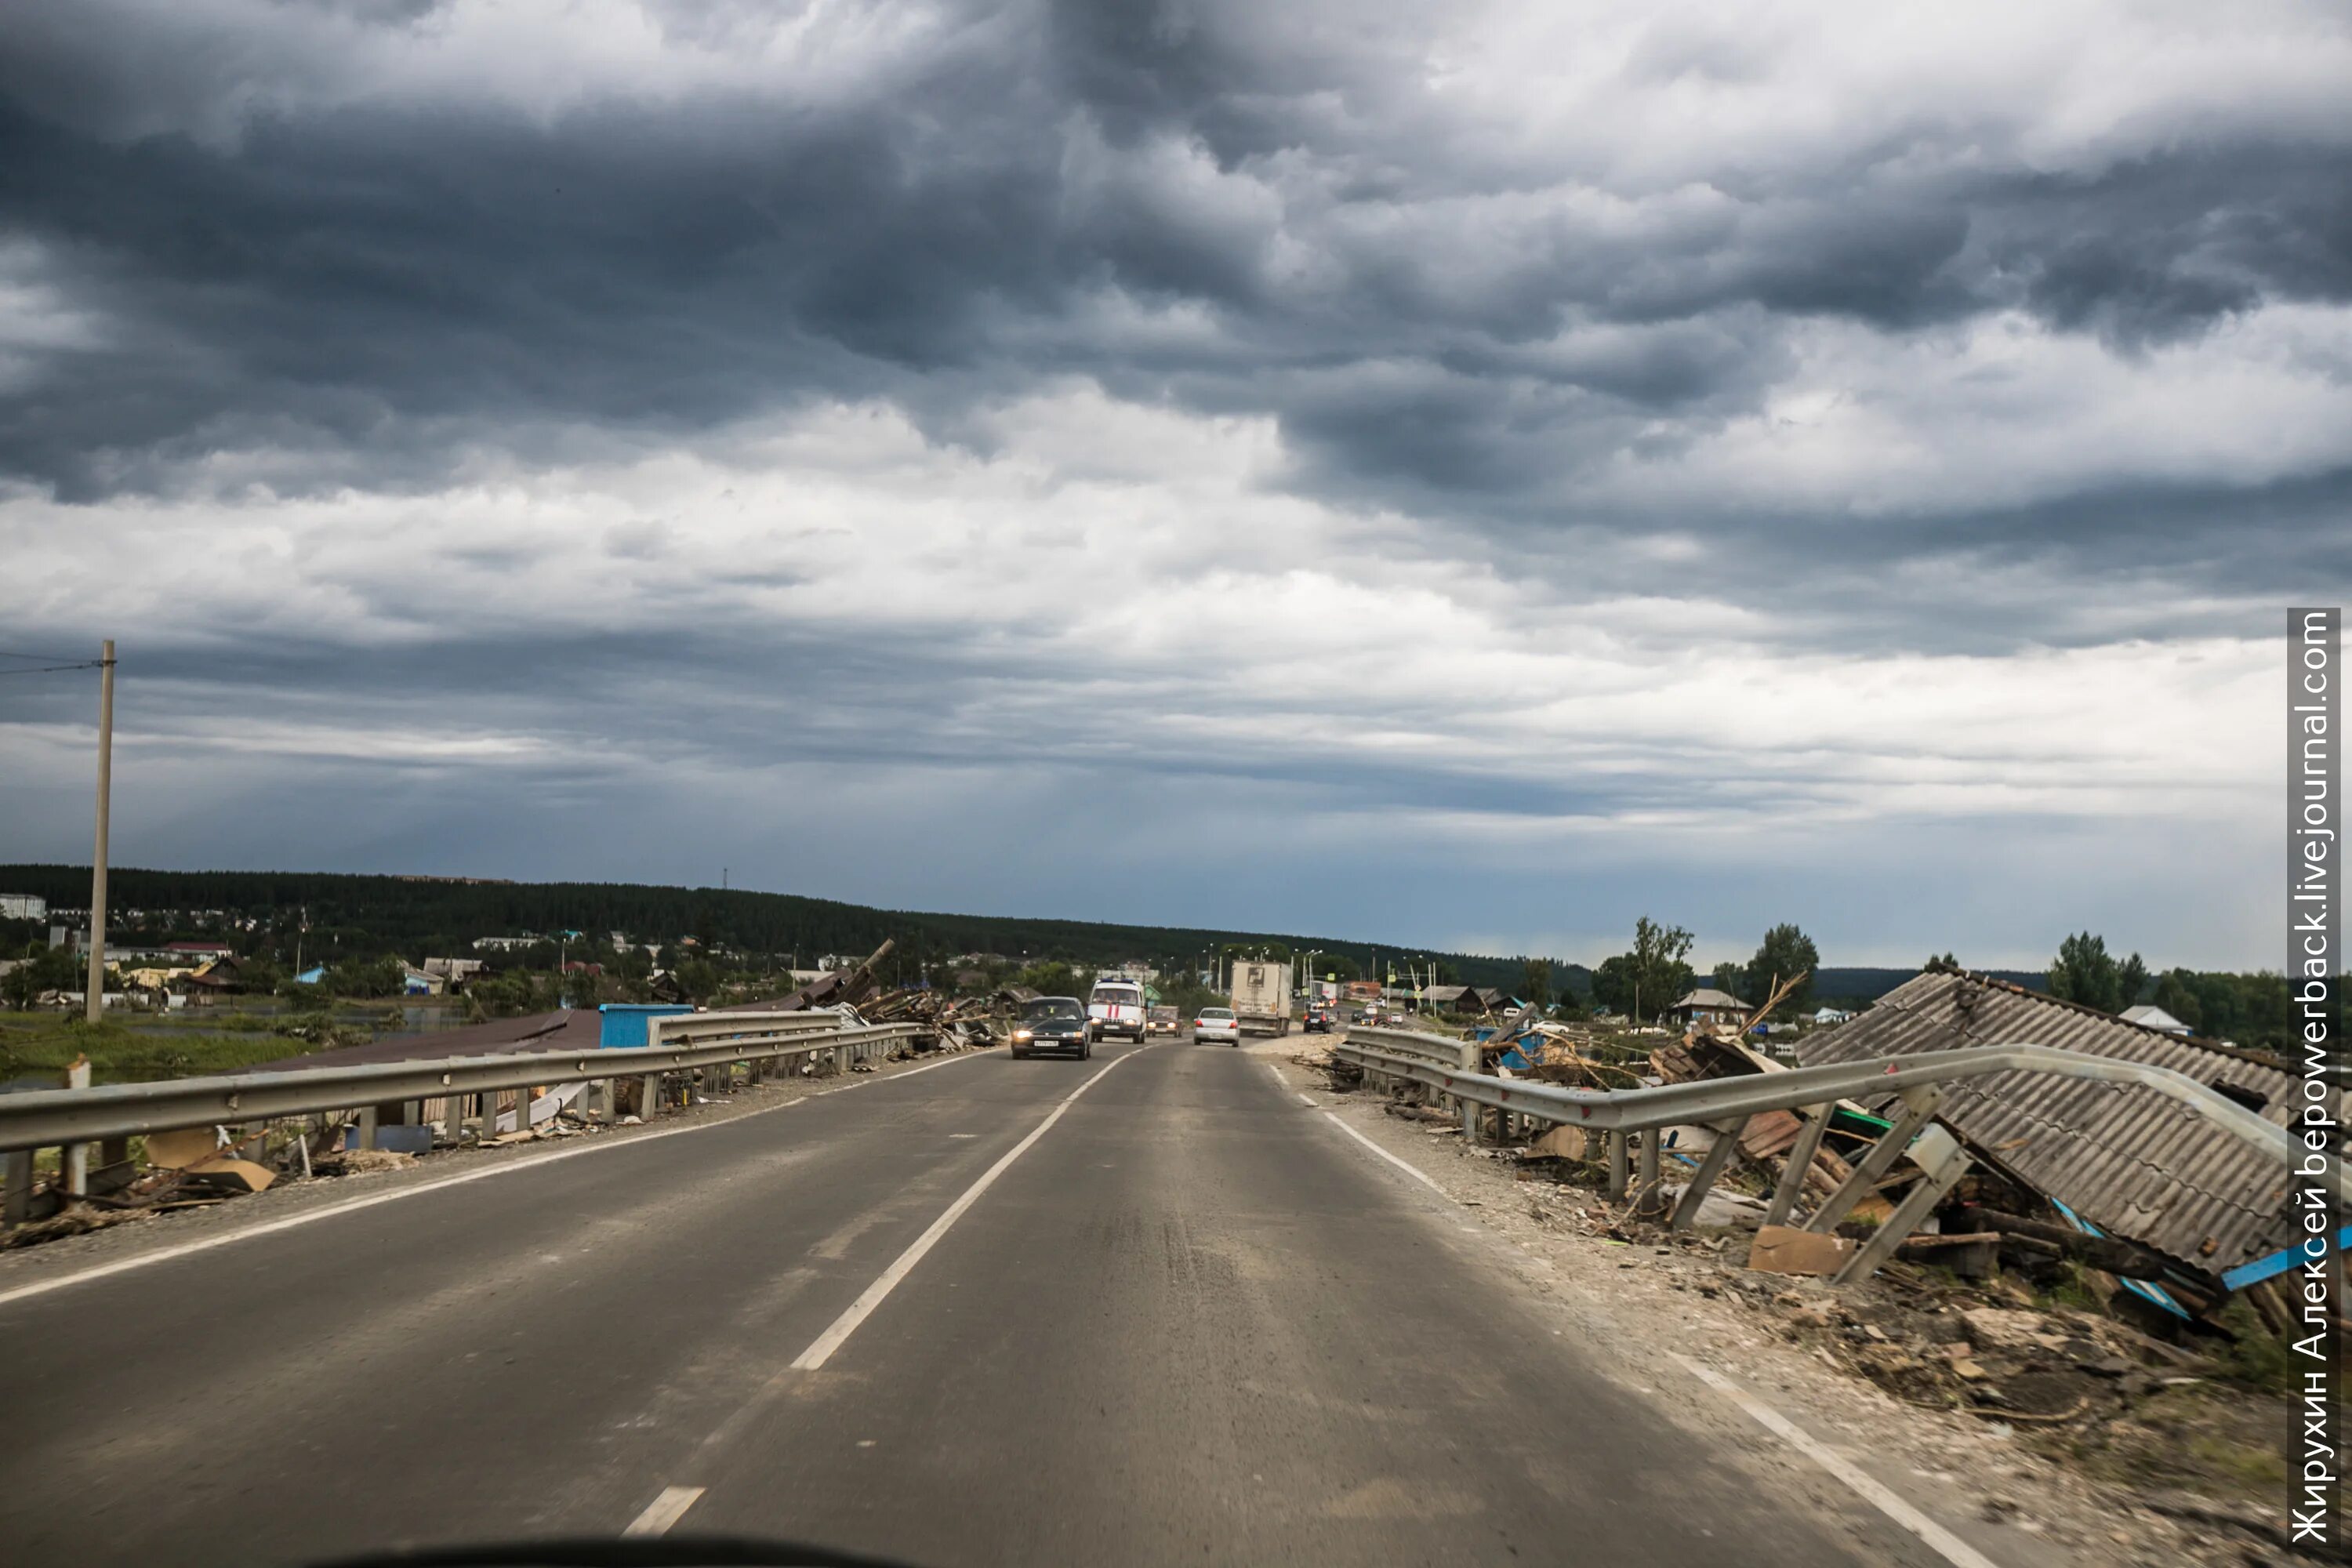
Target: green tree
{"points": [[2083, 972], [1535, 982], [699, 977], [1612, 984], [1053, 977], [2131, 980], [1786, 954], [45, 968], [1729, 979], [2174, 995], [1946, 962], [1644, 983], [367, 977]]}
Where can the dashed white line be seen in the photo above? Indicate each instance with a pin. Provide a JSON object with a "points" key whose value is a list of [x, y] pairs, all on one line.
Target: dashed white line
{"points": [[1408, 1169], [1950, 1547], [1307, 1100], [876, 1293], [531, 1163], [664, 1511]]}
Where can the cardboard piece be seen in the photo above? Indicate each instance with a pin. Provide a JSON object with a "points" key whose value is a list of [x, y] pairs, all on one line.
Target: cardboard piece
{"points": [[1783, 1250], [232, 1175], [1563, 1143], [182, 1147]]}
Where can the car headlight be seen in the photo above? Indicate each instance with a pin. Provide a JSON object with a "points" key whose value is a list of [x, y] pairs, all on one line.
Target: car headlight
{"points": [[1023, 1035]]}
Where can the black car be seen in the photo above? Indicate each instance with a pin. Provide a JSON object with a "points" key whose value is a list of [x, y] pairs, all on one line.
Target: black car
{"points": [[1318, 1021], [1052, 1024]]}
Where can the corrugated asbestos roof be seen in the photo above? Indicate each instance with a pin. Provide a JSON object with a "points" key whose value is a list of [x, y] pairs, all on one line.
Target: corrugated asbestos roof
{"points": [[574, 1030], [2125, 1157]]}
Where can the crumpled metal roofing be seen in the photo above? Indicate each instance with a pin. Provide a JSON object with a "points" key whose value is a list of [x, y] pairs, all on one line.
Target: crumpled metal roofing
{"points": [[2130, 1160]]}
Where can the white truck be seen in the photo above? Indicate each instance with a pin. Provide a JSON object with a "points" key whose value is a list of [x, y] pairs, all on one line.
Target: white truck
{"points": [[1262, 997]]}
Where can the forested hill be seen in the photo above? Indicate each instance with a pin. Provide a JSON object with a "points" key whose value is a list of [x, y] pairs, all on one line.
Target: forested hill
{"points": [[419, 916]]}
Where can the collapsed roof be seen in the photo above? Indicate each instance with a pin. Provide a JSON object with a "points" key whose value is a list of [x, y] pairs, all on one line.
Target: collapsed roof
{"points": [[2127, 1159]]}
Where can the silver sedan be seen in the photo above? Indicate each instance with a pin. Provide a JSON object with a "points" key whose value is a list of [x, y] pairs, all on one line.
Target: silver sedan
{"points": [[1217, 1024]]}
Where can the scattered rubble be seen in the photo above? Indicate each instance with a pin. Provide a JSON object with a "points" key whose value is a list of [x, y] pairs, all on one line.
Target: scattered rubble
{"points": [[2006, 1307]]}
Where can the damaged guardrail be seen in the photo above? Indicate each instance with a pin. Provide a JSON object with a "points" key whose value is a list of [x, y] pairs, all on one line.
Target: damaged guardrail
{"points": [[1725, 1104]]}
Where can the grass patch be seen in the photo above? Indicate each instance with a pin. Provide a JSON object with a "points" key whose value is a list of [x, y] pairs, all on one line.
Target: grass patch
{"points": [[2253, 1355], [2190, 1439], [120, 1055]]}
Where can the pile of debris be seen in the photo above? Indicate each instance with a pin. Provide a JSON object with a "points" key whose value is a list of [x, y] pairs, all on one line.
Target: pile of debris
{"points": [[952, 1021], [2149, 1220]]}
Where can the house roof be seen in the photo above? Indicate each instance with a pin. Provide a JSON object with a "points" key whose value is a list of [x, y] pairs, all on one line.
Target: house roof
{"points": [[1708, 996], [570, 1030], [2124, 1157], [2149, 1017]]}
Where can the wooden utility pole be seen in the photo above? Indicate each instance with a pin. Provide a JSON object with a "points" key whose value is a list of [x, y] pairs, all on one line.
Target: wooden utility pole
{"points": [[94, 995]]}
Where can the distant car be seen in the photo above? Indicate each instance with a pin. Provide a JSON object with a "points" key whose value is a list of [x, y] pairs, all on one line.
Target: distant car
{"points": [[1116, 1008], [1053, 1023], [1316, 1021], [1163, 1020], [1217, 1024]]}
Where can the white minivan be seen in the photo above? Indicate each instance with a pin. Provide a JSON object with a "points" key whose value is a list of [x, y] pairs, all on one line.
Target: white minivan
{"points": [[1116, 1008]]}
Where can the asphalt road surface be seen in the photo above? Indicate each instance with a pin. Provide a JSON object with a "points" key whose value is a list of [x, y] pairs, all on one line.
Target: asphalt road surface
{"points": [[1190, 1321]]}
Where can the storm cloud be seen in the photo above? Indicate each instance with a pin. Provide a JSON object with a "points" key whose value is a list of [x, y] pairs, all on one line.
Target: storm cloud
{"points": [[1687, 448]]}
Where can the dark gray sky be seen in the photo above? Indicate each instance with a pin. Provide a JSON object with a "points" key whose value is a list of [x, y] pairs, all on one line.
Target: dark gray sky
{"points": [[1455, 474]]}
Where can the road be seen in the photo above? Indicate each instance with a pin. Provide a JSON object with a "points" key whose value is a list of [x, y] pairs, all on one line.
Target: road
{"points": [[1190, 1322]]}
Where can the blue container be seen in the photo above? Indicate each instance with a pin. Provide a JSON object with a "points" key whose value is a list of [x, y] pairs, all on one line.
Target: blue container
{"points": [[623, 1023]]}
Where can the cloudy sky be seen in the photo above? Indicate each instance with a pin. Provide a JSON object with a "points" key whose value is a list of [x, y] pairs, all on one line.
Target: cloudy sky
{"points": [[1460, 474]]}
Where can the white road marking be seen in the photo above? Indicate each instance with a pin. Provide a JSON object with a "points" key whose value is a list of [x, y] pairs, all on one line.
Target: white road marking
{"points": [[1950, 1547], [664, 1511], [1307, 1100], [531, 1163], [876, 1293], [1279, 1078], [1408, 1170]]}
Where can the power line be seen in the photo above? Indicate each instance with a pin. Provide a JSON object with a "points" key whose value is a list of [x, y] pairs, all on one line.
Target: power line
{"points": [[47, 668], [52, 658]]}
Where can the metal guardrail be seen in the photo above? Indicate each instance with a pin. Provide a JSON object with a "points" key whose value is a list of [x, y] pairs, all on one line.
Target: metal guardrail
{"points": [[1409, 1054], [47, 1118], [1725, 1104]]}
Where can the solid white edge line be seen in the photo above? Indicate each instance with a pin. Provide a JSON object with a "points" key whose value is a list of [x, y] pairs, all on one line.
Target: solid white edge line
{"points": [[1307, 1100], [664, 1511], [530, 1163], [874, 1295], [1950, 1547], [1408, 1170]]}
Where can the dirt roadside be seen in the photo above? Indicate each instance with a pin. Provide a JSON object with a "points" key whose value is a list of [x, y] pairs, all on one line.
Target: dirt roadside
{"points": [[371, 1175], [2004, 1487]]}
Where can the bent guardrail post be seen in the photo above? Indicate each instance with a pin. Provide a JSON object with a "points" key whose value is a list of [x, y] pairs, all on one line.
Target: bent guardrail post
{"points": [[1726, 1140], [1792, 1184], [1943, 1161], [1918, 1109]]}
